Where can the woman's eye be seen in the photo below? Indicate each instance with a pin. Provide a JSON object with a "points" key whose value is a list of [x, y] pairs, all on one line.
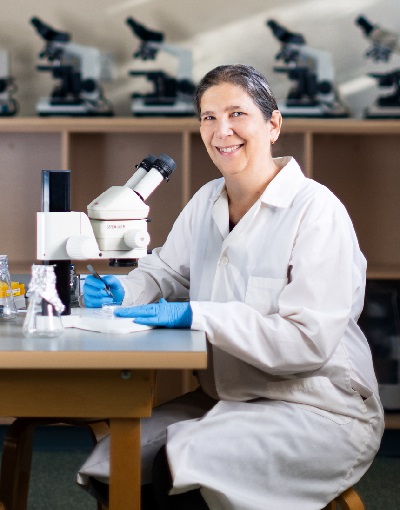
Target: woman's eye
{"points": [[237, 114], [208, 117]]}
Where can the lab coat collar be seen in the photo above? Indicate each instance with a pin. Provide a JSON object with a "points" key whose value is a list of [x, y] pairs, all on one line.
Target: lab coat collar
{"points": [[282, 189]]}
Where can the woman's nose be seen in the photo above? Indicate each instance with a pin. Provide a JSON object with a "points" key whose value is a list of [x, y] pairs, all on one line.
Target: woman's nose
{"points": [[224, 129]]}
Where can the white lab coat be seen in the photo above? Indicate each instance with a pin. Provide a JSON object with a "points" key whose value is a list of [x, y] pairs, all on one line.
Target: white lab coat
{"points": [[297, 417]]}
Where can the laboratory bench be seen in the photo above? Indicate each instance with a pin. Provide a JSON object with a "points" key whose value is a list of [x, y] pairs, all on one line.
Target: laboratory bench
{"points": [[85, 374]]}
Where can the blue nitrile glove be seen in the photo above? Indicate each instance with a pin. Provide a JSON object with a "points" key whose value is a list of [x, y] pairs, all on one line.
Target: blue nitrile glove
{"points": [[170, 315], [95, 293]]}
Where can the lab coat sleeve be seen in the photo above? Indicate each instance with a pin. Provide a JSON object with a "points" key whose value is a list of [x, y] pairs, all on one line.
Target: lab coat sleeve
{"points": [[165, 273], [313, 308]]}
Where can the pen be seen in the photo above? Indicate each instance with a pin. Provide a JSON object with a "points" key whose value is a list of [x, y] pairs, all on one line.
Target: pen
{"points": [[96, 275]]}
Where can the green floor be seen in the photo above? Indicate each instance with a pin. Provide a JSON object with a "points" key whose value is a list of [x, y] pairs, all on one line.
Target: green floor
{"points": [[59, 452]]}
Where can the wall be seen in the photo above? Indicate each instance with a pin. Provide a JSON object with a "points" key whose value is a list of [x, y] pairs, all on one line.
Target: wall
{"points": [[216, 31]]}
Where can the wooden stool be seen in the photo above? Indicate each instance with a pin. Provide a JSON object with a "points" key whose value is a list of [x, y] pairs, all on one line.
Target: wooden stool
{"points": [[349, 500], [17, 456]]}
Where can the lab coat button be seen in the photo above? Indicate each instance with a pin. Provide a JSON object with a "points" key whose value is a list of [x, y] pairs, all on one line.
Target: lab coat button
{"points": [[224, 261]]}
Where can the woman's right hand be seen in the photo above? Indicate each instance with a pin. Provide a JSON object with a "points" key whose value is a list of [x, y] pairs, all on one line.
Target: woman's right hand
{"points": [[95, 293]]}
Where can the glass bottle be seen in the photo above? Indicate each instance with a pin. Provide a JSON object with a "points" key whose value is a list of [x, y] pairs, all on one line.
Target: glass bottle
{"points": [[43, 317], [8, 308]]}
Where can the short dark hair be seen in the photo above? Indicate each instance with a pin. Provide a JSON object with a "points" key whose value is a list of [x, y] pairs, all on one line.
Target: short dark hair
{"points": [[246, 77]]}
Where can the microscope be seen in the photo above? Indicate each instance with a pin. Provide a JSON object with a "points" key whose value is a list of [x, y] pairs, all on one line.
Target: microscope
{"points": [[115, 226], [78, 70], [384, 43], [312, 70], [8, 105], [171, 96]]}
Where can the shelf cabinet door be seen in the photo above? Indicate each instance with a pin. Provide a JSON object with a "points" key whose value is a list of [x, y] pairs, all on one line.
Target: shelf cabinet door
{"points": [[23, 157], [363, 171]]}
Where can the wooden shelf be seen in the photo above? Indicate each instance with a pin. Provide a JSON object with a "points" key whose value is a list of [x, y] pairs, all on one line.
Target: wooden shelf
{"points": [[392, 420], [355, 158]]}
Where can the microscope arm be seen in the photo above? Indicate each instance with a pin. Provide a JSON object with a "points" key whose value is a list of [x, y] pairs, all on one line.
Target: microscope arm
{"points": [[93, 63], [322, 62], [184, 56]]}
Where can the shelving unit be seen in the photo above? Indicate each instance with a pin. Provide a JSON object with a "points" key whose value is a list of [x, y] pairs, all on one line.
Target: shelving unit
{"points": [[356, 159]]}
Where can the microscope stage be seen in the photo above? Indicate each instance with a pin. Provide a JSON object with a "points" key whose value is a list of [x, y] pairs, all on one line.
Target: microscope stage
{"points": [[44, 108]]}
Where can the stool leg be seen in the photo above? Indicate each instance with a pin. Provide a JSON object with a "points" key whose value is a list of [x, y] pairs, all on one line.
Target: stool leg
{"points": [[16, 465], [330, 506], [350, 500]]}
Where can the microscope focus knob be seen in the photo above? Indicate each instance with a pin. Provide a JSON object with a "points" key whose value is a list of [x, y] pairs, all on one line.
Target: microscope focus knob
{"points": [[89, 85], [325, 87], [136, 238], [82, 248]]}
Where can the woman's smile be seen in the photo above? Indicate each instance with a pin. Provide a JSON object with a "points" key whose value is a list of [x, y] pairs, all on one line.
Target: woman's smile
{"points": [[229, 149]]}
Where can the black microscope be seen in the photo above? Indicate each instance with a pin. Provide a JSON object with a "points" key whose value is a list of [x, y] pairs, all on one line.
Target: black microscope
{"points": [[171, 96], [77, 70], [384, 43], [313, 94]]}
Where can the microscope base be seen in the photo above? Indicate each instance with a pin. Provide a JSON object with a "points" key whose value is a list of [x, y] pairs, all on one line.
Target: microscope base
{"points": [[178, 109], [382, 112], [44, 108], [317, 111]]}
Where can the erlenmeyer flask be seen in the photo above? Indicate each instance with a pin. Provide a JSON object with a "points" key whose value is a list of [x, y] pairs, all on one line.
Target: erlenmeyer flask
{"points": [[43, 317], [8, 308]]}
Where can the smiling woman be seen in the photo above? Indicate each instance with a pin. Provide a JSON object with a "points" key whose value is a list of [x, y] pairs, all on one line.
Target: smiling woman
{"points": [[239, 122], [267, 263]]}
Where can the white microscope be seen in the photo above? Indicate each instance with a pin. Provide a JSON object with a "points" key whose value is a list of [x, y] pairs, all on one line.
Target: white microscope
{"points": [[314, 94], [171, 96], [384, 43], [115, 226], [8, 105], [78, 70]]}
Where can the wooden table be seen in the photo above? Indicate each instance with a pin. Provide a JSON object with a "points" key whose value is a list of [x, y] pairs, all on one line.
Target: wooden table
{"points": [[84, 374]]}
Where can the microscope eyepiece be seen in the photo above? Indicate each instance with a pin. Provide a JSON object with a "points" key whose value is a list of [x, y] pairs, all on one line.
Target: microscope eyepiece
{"points": [[144, 33], [283, 35], [278, 30], [148, 162], [48, 33], [165, 165], [161, 169], [363, 23]]}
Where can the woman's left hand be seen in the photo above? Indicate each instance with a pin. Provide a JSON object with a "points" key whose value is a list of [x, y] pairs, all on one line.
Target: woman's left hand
{"points": [[169, 315]]}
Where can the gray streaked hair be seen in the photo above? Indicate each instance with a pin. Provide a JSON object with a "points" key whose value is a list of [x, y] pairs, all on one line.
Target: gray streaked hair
{"points": [[246, 77]]}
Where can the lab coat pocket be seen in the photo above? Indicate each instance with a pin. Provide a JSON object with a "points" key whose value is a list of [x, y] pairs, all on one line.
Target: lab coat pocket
{"points": [[262, 294], [337, 418], [315, 394]]}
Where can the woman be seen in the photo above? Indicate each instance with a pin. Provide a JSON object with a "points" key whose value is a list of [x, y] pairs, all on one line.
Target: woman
{"points": [[267, 263]]}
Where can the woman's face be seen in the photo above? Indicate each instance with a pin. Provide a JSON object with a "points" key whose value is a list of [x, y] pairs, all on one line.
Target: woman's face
{"points": [[236, 135]]}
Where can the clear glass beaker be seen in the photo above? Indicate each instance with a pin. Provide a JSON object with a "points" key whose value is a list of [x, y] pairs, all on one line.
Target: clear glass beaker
{"points": [[8, 308], [43, 317]]}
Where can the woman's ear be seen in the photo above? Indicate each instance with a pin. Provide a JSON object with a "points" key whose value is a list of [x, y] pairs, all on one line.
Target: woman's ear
{"points": [[275, 126]]}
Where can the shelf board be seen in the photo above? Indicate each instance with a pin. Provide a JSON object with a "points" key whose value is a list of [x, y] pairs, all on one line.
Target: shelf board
{"points": [[190, 124], [392, 420], [376, 272], [99, 125]]}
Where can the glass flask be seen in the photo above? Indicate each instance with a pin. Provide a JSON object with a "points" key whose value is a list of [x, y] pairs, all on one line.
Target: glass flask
{"points": [[8, 308], [43, 317]]}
